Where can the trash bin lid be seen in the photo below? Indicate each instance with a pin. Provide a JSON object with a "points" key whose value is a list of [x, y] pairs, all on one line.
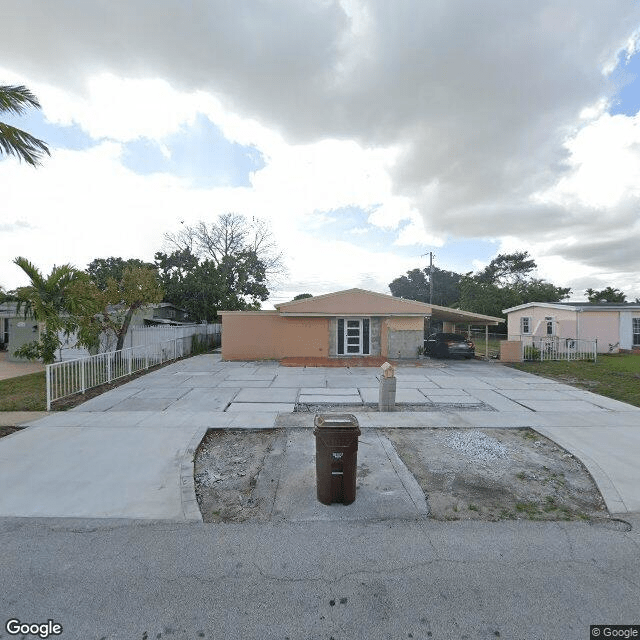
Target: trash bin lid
{"points": [[335, 421]]}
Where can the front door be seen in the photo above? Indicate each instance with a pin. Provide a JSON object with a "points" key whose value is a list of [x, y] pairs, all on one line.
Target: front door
{"points": [[353, 336]]}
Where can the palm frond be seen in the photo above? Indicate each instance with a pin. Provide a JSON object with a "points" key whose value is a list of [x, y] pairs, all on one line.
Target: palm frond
{"points": [[15, 142], [33, 273], [16, 99]]}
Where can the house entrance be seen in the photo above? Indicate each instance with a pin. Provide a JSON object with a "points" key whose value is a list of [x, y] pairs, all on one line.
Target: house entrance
{"points": [[353, 336]]}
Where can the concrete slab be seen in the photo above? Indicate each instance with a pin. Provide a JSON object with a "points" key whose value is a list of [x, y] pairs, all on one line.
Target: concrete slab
{"points": [[266, 395], [323, 391], [172, 393], [341, 382], [253, 420], [246, 384], [533, 394], [410, 396], [498, 401], [298, 381], [251, 375], [205, 400], [411, 420], [254, 407], [437, 391], [142, 404], [330, 399], [385, 488], [96, 473], [449, 400], [560, 405], [103, 402], [460, 382]]}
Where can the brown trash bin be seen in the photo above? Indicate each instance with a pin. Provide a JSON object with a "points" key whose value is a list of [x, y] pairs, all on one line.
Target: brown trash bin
{"points": [[336, 457]]}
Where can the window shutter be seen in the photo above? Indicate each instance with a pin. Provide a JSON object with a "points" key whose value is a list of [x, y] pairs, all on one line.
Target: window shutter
{"points": [[340, 336], [365, 336]]}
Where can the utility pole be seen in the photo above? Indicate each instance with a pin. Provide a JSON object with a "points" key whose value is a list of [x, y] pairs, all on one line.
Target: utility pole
{"points": [[430, 276]]}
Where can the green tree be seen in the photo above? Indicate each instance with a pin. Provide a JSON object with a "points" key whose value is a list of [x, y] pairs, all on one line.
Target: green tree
{"points": [[415, 285], [508, 269], [605, 295], [102, 270], [223, 265], [506, 282], [59, 301], [16, 99], [302, 296], [119, 300]]}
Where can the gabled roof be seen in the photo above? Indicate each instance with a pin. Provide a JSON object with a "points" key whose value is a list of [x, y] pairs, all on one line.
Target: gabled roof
{"points": [[359, 302], [578, 306]]}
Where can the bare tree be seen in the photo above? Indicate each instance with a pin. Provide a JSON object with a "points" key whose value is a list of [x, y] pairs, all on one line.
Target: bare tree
{"points": [[228, 236]]}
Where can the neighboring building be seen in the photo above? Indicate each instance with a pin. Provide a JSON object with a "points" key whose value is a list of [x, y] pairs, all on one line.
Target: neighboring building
{"points": [[347, 323], [15, 329], [615, 326], [167, 314]]}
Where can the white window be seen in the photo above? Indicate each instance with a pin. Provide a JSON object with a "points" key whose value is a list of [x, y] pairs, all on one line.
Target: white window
{"points": [[353, 336], [636, 332], [550, 321], [525, 325]]}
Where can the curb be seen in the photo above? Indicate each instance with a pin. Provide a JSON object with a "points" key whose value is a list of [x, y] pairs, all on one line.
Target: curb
{"points": [[190, 508]]}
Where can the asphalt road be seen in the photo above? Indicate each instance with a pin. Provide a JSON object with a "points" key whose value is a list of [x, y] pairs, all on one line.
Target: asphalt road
{"points": [[134, 580]]}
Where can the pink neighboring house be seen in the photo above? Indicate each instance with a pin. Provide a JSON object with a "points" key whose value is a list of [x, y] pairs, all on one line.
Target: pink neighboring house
{"points": [[616, 327]]}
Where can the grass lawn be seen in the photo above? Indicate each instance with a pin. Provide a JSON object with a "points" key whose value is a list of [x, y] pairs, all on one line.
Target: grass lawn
{"points": [[24, 393], [613, 375]]}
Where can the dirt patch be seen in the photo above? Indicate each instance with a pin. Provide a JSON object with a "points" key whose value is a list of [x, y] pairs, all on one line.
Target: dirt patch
{"points": [[497, 474], [7, 431], [369, 407], [227, 465]]}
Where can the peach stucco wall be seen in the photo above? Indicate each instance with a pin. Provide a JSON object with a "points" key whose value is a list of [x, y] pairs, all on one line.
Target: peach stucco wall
{"points": [[355, 303], [405, 324], [269, 336]]}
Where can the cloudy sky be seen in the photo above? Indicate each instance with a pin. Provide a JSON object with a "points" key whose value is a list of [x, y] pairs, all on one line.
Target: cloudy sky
{"points": [[367, 132]]}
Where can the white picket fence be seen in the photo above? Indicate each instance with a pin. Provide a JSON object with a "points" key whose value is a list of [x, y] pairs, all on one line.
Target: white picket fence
{"points": [[555, 348], [70, 377]]}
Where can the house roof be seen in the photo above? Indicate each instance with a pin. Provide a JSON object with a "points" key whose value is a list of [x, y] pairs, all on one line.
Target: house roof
{"points": [[578, 306], [359, 302]]}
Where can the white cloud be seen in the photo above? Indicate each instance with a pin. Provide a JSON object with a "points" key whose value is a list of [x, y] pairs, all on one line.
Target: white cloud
{"points": [[449, 116]]}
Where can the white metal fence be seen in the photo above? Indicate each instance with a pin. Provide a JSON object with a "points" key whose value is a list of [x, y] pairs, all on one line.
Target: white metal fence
{"points": [[69, 377], [555, 348]]}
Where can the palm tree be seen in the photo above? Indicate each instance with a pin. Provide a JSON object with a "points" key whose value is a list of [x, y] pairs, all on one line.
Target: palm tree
{"points": [[15, 99], [55, 300]]}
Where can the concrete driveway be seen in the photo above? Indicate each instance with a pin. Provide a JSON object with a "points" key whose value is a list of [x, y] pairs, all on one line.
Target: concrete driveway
{"points": [[128, 453]]}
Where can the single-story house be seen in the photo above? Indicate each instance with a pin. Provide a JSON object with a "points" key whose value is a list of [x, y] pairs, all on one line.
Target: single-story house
{"points": [[615, 326], [347, 323]]}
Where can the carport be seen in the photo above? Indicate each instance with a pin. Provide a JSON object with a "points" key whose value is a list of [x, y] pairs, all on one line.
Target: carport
{"points": [[451, 318]]}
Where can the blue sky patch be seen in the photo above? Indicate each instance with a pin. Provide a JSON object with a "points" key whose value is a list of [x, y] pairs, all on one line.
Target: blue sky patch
{"points": [[199, 153], [627, 99], [56, 136], [350, 224]]}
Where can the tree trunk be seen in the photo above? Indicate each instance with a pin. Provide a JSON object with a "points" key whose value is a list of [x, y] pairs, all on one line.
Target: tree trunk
{"points": [[122, 334]]}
